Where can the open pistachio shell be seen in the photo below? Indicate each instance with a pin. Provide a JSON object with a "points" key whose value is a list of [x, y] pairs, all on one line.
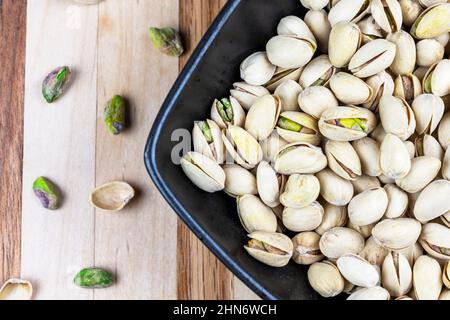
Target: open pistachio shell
{"points": [[269, 184], [114, 196], [315, 100], [304, 219], [239, 181], [381, 84], [300, 191], [341, 241], [396, 274], [374, 293], [397, 234], [325, 278], [301, 158], [263, 116], [444, 131], [348, 10], [423, 171], [433, 22], [394, 157], [365, 182], [297, 126], [427, 279], [405, 57], [429, 52], [317, 73], [257, 70], [368, 151], [282, 75], [16, 289], [368, 207], [242, 147], [227, 112], [207, 139], [350, 89], [306, 248], [343, 159], [335, 189], [436, 79], [345, 40], [407, 87], [398, 201], [255, 215], [428, 110], [411, 9], [388, 14], [333, 216], [347, 123], [358, 271], [433, 201], [317, 21], [288, 92], [427, 145], [397, 117], [247, 94], [435, 240], [273, 249]]}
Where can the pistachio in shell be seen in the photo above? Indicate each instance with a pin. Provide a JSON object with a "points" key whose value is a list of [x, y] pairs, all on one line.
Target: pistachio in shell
{"points": [[348, 10], [295, 126], [397, 234], [435, 240], [114, 114], [345, 40], [93, 278], [306, 248], [112, 196], [55, 83], [433, 201], [374, 293], [273, 249], [47, 193], [239, 181], [340, 241], [257, 70], [388, 14], [427, 278], [325, 278], [16, 289], [358, 271], [432, 23]]}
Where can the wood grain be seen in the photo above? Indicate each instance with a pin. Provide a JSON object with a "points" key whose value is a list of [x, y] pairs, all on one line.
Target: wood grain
{"points": [[12, 72]]}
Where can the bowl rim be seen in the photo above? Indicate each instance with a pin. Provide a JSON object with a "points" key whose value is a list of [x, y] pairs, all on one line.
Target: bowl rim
{"points": [[154, 136]]}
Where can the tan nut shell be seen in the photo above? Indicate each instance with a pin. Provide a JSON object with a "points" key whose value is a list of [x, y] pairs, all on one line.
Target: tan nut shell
{"points": [[335, 189], [16, 289], [433, 201], [247, 94], [423, 171], [315, 100], [406, 55], [269, 184], [317, 21], [435, 240], [429, 110], [263, 116], [306, 248], [317, 73], [333, 217], [255, 215], [373, 252], [114, 196], [394, 157], [397, 234], [432, 23], [239, 181], [398, 201], [444, 131], [429, 52], [381, 84], [276, 240], [300, 157], [300, 191], [348, 10], [340, 241], [365, 182], [349, 89], [214, 150], [288, 92], [396, 274], [427, 279], [304, 219], [368, 151], [358, 271], [388, 14], [397, 117], [343, 159], [242, 147], [374, 293], [368, 207], [345, 40], [257, 70], [325, 279]]}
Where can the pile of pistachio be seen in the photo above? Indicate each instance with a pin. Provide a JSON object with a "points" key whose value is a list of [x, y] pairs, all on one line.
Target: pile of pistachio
{"points": [[339, 137]]}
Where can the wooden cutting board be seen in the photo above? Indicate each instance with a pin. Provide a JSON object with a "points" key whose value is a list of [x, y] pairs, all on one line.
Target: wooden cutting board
{"points": [[153, 255]]}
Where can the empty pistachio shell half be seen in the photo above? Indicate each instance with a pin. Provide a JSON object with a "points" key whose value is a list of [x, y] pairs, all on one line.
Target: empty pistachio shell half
{"points": [[365, 182], [343, 159], [47, 193], [227, 112], [340, 241], [428, 110], [397, 117], [301, 158], [273, 249], [325, 278], [93, 278], [348, 10], [306, 248], [423, 171], [350, 90], [358, 271], [435, 240], [300, 191], [407, 87], [368, 207], [333, 216], [388, 14], [347, 123], [398, 201], [269, 183], [394, 157], [436, 79], [239, 181], [247, 94], [381, 84], [373, 252], [432, 23], [16, 289], [114, 196], [427, 279], [397, 234], [298, 126], [368, 151], [317, 73], [242, 147], [207, 139], [396, 274], [345, 40], [257, 70], [315, 100], [374, 293], [255, 215], [55, 83], [282, 75], [288, 92], [433, 201], [429, 52], [114, 114], [317, 21], [263, 116], [304, 219]]}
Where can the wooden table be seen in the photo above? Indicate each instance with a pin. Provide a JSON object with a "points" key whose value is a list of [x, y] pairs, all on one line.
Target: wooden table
{"points": [[152, 253]]}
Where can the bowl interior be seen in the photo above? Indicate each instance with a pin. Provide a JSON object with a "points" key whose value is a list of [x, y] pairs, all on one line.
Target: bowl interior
{"points": [[213, 70]]}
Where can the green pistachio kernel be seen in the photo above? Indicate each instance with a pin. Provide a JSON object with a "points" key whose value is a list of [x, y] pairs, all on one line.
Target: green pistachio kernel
{"points": [[354, 124], [206, 130], [93, 278], [167, 40], [114, 115], [55, 83], [290, 125], [225, 110]]}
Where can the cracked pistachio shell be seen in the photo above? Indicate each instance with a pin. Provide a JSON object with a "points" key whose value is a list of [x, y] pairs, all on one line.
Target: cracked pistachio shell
{"points": [[350, 89], [300, 191], [288, 93], [433, 201], [257, 70], [93, 278], [365, 231], [301, 158], [411, 9], [263, 116], [239, 181], [412, 253], [394, 157], [427, 145], [365, 182], [368, 207], [247, 94], [435, 240], [347, 123], [306, 248], [341, 241], [317, 21], [397, 117], [114, 196], [242, 147], [304, 219], [446, 165], [333, 216], [358, 271], [407, 87], [273, 249], [55, 83], [255, 215], [427, 279], [388, 14], [282, 75], [444, 131], [16, 289], [295, 126], [325, 278], [348, 11], [317, 73], [397, 234], [381, 84], [378, 134], [398, 201], [207, 139], [372, 58], [437, 80], [315, 100], [373, 252], [429, 110], [269, 183], [343, 159], [345, 39], [429, 52], [227, 112], [423, 171], [47, 193], [396, 274], [445, 295], [432, 23], [335, 189], [314, 4], [203, 172], [368, 151], [374, 293], [370, 29], [405, 57], [272, 145], [114, 114]]}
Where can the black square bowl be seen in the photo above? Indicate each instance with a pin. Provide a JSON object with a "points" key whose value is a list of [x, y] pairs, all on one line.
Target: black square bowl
{"points": [[243, 27]]}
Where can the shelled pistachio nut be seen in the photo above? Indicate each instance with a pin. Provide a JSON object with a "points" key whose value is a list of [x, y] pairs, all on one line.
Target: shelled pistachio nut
{"points": [[93, 278], [255, 215], [348, 10], [423, 171], [397, 117], [433, 201], [16, 289], [368, 151], [317, 21], [239, 181], [47, 193], [427, 279], [167, 40], [227, 112], [304, 219], [358, 271], [432, 23], [381, 84], [396, 274], [370, 29], [317, 73], [269, 183], [300, 191], [388, 14], [281, 75], [295, 126], [343, 159], [365, 182], [407, 87], [263, 116], [257, 70], [114, 196], [397, 234], [341, 241], [350, 90], [373, 252], [427, 145], [406, 55], [398, 201], [288, 92], [315, 100], [411, 9], [301, 158], [368, 207], [273, 249], [436, 80], [435, 240], [374, 293], [429, 52], [394, 157], [114, 114], [345, 39], [207, 139], [55, 83], [325, 278], [429, 110], [372, 58], [242, 147], [444, 131], [335, 189], [333, 216], [247, 94], [347, 123], [306, 248]]}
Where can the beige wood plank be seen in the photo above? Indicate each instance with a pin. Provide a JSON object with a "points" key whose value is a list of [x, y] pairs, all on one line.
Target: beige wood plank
{"points": [[59, 143], [138, 244]]}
